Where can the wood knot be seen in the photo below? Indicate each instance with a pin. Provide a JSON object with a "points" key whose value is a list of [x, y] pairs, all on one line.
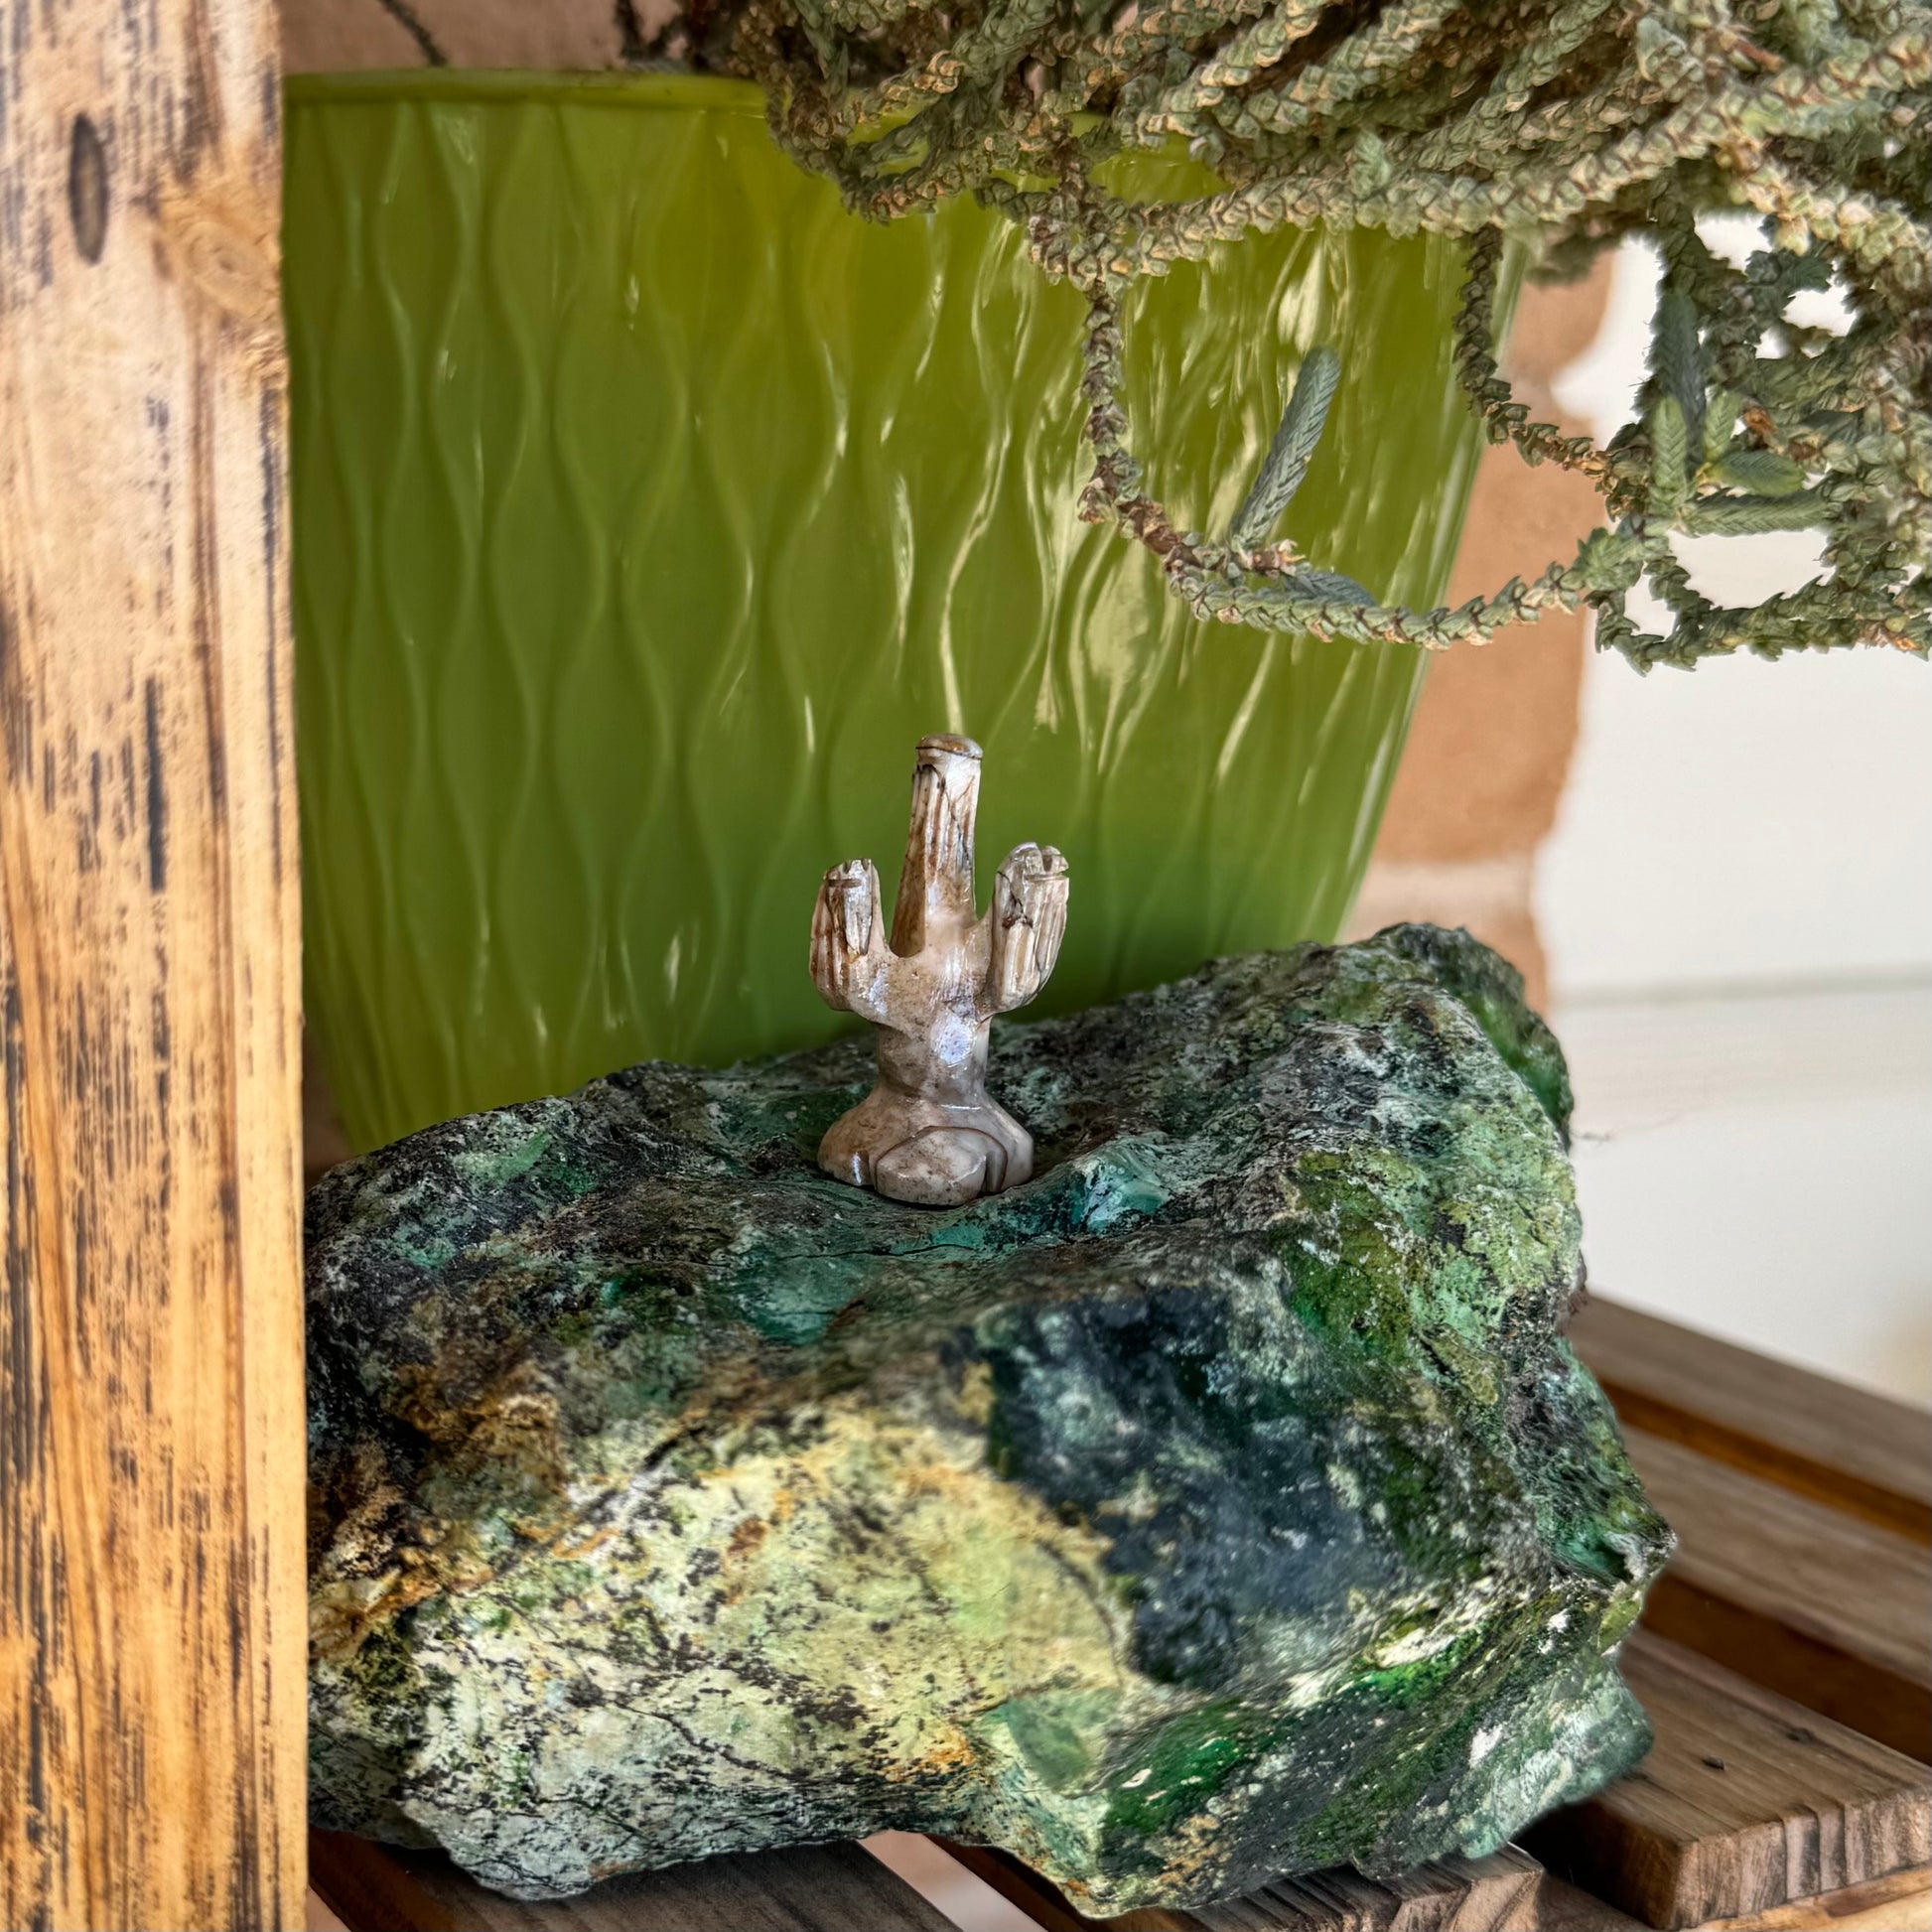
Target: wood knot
{"points": [[220, 239], [87, 188]]}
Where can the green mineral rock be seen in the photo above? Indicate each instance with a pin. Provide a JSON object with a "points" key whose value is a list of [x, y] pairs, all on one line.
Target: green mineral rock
{"points": [[1224, 1502]]}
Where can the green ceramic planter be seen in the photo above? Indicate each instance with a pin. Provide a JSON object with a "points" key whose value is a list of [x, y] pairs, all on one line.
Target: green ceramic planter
{"points": [[649, 507]]}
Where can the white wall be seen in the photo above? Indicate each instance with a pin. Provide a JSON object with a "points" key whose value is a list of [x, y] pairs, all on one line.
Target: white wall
{"points": [[1736, 904], [1745, 821], [1754, 1165]]}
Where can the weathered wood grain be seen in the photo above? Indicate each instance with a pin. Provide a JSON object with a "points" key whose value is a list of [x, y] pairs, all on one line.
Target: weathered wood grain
{"points": [[151, 1557], [1745, 1803], [1901, 1903], [1823, 1606], [1506, 1892], [809, 1888], [1857, 1452]]}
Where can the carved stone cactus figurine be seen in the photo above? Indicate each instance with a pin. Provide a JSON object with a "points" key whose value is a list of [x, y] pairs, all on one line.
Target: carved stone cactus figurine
{"points": [[929, 1132]]}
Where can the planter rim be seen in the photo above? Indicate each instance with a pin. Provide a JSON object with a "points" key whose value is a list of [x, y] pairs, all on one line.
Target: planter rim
{"points": [[693, 92], [690, 94]]}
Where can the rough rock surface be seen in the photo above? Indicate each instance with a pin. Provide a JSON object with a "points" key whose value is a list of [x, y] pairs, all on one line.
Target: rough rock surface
{"points": [[1223, 1502]]}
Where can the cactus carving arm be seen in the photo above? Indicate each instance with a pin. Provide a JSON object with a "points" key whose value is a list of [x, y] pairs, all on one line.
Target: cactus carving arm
{"points": [[1024, 926], [851, 962]]}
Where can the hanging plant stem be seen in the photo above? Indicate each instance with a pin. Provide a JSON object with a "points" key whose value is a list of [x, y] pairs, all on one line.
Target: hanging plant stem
{"points": [[1564, 125]]}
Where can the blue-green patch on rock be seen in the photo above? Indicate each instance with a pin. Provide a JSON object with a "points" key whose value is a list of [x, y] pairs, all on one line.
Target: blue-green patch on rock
{"points": [[1225, 1502]]}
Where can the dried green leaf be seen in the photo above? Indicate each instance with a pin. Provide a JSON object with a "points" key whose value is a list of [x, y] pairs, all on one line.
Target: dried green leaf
{"points": [[1567, 125], [1761, 473], [1291, 451], [1326, 587], [1719, 420], [1738, 516], [1677, 356], [1669, 444]]}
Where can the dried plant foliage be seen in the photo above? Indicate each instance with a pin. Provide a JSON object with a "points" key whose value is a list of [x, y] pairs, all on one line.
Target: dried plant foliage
{"points": [[1563, 124]]}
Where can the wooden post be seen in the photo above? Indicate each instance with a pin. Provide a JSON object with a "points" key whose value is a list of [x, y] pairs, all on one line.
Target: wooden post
{"points": [[152, 1628]]}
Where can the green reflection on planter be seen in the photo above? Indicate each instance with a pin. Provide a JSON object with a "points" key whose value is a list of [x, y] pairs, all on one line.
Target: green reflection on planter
{"points": [[649, 507]]}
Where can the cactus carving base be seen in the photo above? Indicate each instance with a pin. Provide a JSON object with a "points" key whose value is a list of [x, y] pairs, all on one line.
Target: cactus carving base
{"points": [[929, 1133]]}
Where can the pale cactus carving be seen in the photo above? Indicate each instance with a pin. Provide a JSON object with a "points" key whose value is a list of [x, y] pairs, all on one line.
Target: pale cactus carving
{"points": [[929, 1132]]}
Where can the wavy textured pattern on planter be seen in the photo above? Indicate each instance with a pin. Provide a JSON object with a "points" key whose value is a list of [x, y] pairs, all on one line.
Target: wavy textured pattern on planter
{"points": [[649, 507]]}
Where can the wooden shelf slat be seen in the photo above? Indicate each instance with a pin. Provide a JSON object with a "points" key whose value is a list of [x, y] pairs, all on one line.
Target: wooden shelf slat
{"points": [[1508, 1892], [804, 1889], [1901, 1904], [1822, 1606], [1747, 1802], [367, 1887], [1857, 1451]]}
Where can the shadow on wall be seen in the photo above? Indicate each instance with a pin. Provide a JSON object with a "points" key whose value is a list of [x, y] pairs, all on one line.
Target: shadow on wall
{"points": [[1491, 747]]}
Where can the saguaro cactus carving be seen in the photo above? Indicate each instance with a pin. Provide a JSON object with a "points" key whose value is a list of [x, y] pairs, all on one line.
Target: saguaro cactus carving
{"points": [[929, 1132]]}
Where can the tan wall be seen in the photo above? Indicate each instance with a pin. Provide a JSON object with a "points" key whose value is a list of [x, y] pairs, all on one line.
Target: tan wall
{"points": [[327, 36], [1477, 789]]}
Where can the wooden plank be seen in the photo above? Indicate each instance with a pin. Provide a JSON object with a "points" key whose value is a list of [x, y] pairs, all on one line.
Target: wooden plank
{"points": [[1508, 1892], [805, 1889], [152, 1619], [1822, 1606], [1745, 1803], [1901, 1903], [1020, 1885], [320, 1918], [1858, 1452], [932, 1870], [368, 1889]]}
